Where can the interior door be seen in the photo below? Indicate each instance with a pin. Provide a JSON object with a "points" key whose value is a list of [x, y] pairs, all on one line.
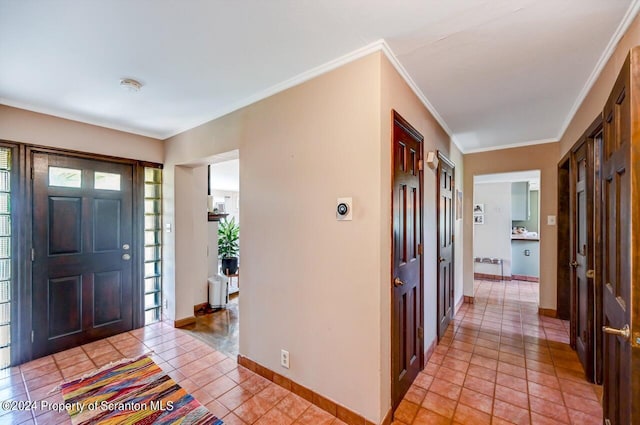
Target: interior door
{"points": [[407, 318], [446, 217], [581, 217], [621, 248], [82, 249]]}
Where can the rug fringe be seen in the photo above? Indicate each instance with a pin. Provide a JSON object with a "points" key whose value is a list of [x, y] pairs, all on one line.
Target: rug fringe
{"points": [[100, 370]]}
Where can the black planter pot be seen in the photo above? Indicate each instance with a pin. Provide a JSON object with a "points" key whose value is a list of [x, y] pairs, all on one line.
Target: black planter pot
{"points": [[230, 265]]}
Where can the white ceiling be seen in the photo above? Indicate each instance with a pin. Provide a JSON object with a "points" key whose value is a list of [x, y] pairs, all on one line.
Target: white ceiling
{"points": [[495, 72]]}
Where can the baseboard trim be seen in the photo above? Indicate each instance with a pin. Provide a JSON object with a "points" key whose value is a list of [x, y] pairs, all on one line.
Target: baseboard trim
{"points": [[468, 299], [486, 276], [525, 278], [184, 322], [344, 414], [459, 304], [429, 351], [387, 417], [199, 308], [548, 312]]}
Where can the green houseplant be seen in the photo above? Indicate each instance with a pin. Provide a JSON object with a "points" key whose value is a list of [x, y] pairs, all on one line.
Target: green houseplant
{"points": [[228, 247]]}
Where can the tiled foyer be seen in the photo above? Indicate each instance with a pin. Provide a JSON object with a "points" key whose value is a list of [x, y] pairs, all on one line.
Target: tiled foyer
{"points": [[500, 363]]}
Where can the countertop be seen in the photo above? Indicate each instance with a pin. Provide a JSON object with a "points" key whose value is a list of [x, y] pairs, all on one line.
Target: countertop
{"points": [[524, 238]]}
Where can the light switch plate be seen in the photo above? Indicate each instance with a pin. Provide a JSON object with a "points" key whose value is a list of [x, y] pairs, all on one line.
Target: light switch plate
{"points": [[551, 220]]}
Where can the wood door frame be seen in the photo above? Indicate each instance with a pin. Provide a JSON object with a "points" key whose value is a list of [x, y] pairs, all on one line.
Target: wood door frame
{"points": [[593, 191], [563, 290], [593, 150], [396, 118], [22, 239], [442, 158]]}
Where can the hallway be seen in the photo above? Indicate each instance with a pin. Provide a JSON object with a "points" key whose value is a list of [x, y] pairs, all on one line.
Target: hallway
{"points": [[501, 363]]}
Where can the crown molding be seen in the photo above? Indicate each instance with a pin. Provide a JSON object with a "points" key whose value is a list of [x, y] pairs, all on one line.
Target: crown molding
{"points": [[376, 46], [512, 145], [627, 20]]}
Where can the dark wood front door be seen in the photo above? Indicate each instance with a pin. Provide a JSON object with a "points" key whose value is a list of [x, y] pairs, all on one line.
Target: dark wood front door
{"points": [[621, 247], [446, 217], [82, 251], [406, 272]]}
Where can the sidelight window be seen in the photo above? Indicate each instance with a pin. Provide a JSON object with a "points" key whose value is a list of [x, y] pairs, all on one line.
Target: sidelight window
{"points": [[152, 245], [5, 257]]}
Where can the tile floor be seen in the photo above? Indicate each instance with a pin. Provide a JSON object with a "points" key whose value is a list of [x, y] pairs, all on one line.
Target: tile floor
{"points": [[499, 363], [502, 363], [233, 393]]}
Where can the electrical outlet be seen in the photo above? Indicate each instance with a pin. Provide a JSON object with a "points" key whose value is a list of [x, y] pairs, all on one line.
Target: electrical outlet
{"points": [[284, 359]]}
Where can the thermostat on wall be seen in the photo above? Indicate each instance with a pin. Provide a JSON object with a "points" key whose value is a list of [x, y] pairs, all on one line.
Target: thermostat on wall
{"points": [[344, 209]]}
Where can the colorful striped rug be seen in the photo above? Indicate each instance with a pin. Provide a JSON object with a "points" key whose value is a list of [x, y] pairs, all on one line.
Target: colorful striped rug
{"points": [[132, 392]]}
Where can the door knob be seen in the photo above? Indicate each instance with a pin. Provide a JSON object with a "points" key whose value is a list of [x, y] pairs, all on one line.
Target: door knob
{"points": [[126, 257], [442, 259], [573, 264], [397, 282], [624, 332], [125, 246]]}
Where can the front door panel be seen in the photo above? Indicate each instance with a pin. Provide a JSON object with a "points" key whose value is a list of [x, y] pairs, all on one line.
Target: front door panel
{"points": [[81, 271]]}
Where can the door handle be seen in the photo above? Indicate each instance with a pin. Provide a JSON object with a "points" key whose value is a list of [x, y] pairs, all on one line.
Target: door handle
{"points": [[573, 264], [397, 282], [126, 257], [624, 332], [442, 259]]}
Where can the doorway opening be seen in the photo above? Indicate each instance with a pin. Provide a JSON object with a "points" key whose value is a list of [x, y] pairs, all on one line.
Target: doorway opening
{"points": [[506, 230], [217, 323]]}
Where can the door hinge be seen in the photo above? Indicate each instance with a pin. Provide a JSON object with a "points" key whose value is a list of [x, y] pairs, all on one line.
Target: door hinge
{"points": [[420, 249], [420, 165], [31, 173], [453, 237], [420, 332], [33, 254], [32, 335]]}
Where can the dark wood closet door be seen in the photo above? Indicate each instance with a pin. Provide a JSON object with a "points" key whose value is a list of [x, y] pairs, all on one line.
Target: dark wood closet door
{"points": [[583, 326], [407, 318], [621, 247], [446, 220], [82, 237]]}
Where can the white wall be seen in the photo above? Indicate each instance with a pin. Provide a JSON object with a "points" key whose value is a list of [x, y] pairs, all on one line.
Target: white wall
{"points": [[230, 199], [191, 261], [493, 238]]}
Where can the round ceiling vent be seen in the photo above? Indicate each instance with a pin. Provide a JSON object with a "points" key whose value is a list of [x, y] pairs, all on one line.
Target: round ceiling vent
{"points": [[130, 84]]}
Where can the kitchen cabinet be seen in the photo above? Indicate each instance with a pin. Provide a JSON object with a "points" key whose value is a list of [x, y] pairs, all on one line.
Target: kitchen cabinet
{"points": [[520, 201], [525, 257]]}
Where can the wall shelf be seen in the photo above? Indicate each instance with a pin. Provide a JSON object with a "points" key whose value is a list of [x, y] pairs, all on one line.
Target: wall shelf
{"points": [[215, 216]]}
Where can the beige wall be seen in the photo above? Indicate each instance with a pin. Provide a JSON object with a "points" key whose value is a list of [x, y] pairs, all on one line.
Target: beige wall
{"points": [[396, 95], [310, 284], [594, 102], [538, 157], [19, 125]]}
